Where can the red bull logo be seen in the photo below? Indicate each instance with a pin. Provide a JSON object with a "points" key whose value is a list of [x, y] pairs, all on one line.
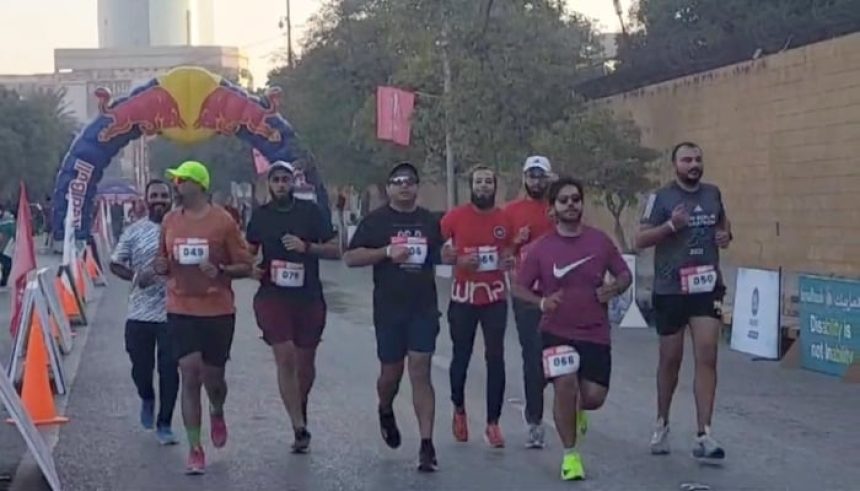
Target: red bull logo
{"points": [[152, 110], [226, 111]]}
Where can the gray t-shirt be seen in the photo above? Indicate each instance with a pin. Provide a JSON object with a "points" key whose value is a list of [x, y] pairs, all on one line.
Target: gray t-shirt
{"points": [[692, 246]]}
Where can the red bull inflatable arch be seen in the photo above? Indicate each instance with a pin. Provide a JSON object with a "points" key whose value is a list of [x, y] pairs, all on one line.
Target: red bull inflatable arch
{"points": [[187, 105]]}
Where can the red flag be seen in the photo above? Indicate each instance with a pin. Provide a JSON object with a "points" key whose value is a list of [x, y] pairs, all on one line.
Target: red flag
{"points": [[261, 163], [24, 259], [394, 114]]}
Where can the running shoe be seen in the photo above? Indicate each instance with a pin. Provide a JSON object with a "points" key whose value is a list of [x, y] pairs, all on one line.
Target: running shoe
{"points": [[303, 441], [388, 426], [571, 467], [581, 423], [536, 436], [165, 436], [427, 457], [218, 432], [147, 414], [460, 425], [660, 439], [493, 436], [196, 462], [707, 449]]}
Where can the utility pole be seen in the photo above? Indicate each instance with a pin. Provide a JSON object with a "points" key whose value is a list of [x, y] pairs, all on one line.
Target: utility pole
{"points": [[451, 178], [289, 37]]}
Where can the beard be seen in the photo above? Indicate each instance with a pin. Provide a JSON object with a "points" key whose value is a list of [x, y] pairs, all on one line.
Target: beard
{"points": [[537, 192], [690, 178], [484, 202], [282, 200], [568, 218], [157, 212]]}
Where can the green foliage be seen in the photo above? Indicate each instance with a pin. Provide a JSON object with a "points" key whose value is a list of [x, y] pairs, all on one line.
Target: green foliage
{"points": [[228, 159], [35, 132]]}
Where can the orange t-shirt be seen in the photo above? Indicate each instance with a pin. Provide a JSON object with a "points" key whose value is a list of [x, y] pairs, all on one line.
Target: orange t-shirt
{"points": [[531, 213], [490, 235], [186, 242]]}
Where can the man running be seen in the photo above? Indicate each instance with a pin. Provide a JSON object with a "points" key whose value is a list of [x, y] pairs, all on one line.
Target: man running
{"points": [[686, 222], [146, 331], [482, 240], [201, 251], [530, 220], [402, 242], [289, 305], [571, 265]]}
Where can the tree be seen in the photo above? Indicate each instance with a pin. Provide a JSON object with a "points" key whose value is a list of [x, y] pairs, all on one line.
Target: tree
{"points": [[35, 132], [606, 154], [228, 159]]}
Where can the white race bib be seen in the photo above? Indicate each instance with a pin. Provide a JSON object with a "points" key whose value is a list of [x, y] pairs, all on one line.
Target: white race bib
{"points": [[488, 258], [698, 279], [288, 275], [417, 248], [191, 252], [560, 360]]}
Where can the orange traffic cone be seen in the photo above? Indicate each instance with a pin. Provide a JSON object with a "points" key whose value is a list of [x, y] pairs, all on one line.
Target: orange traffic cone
{"points": [[92, 268], [67, 299], [36, 392], [80, 284]]}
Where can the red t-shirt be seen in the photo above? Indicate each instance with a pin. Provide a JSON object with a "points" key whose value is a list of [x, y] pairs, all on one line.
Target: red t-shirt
{"points": [[490, 235], [531, 213]]}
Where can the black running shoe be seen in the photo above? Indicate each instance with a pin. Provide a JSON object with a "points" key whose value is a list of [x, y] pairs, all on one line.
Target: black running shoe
{"points": [[303, 441], [427, 457], [388, 425]]}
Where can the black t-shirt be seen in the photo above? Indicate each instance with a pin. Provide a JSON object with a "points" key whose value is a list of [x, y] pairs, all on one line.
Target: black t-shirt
{"points": [[267, 226], [401, 290]]}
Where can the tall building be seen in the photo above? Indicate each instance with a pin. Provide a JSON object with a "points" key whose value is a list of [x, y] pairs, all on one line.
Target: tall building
{"points": [[141, 23]]}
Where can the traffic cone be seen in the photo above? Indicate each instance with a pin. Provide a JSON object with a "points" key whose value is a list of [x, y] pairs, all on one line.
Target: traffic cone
{"points": [[80, 284], [68, 301], [36, 393], [94, 268]]}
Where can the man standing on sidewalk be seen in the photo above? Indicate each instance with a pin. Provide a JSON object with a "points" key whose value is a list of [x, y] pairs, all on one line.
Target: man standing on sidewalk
{"points": [[201, 251], [529, 219], [146, 331], [686, 222], [481, 238], [402, 242]]}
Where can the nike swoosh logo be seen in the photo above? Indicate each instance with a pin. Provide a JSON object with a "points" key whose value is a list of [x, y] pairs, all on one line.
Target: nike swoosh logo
{"points": [[562, 272]]}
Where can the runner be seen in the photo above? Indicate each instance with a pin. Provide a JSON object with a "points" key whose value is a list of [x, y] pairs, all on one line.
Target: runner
{"points": [[571, 265], [289, 305], [201, 250], [482, 241], [530, 220], [402, 242], [687, 222], [146, 331]]}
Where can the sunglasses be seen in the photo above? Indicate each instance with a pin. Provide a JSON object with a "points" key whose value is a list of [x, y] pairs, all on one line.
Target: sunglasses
{"points": [[689, 160], [563, 200], [403, 181]]}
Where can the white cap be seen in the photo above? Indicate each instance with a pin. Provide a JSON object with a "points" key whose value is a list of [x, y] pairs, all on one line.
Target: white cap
{"points": [[280, 164], [537, 162]]}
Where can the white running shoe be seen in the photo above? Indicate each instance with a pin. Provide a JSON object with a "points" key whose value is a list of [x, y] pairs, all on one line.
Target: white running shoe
{"points": [[707, 449], [660, 438]]}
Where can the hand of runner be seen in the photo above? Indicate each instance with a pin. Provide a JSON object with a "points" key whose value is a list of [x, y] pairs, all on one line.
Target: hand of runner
{"points": [[209, 269], [160, 265], [257, 272], [724, 238], [398, 253], [294, 244], [145, 278], [449, 254], [607, 292], [469, 261], [680, 217], [522, 236], [508, 262], [550, 304]]}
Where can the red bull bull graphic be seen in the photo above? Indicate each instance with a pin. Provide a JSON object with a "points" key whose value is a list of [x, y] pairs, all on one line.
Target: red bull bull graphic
{"points": [[187, 105]]}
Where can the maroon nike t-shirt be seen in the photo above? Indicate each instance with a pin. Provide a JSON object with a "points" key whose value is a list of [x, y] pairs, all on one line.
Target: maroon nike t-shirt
{"points": [[576, 266]]}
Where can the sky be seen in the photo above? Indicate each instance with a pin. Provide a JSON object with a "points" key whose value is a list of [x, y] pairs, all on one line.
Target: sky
{"points": [[25, 46]]}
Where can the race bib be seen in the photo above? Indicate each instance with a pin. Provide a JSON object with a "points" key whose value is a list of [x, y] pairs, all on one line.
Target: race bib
{"points": [[191, 252], [698, 279], [488, 258], [560, 360], [417, 248], [288, 275]]}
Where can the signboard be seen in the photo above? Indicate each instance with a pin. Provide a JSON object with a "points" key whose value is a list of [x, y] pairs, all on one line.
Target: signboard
{"points": [[35, 442], [755, 315], [623, 310], [55, 309], [829, 319]]}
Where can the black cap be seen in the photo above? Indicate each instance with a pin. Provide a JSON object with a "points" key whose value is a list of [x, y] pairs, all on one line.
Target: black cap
{"points": [[404, 166]]}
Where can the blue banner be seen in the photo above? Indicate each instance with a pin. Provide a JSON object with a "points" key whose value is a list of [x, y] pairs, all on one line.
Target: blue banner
{"points": [[829, 319]]}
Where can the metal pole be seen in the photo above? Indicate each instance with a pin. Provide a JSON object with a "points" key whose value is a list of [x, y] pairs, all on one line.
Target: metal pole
{"points": [[451, 179], [289, 36]]}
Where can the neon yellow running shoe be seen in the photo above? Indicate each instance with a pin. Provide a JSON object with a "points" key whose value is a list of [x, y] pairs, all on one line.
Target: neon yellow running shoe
{"points": [[581, 423], [571, 467]]}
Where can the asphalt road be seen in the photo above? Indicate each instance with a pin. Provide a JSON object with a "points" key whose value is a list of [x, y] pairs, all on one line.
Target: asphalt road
{"points": [[782, 429]]}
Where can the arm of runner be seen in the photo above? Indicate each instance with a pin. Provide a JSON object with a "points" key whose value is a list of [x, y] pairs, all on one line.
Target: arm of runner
{"points": [[366, 249], [241, 260], [120, 261], [621, 274], [724, 227], [527, 275], [325, 244], [658, 222]]}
